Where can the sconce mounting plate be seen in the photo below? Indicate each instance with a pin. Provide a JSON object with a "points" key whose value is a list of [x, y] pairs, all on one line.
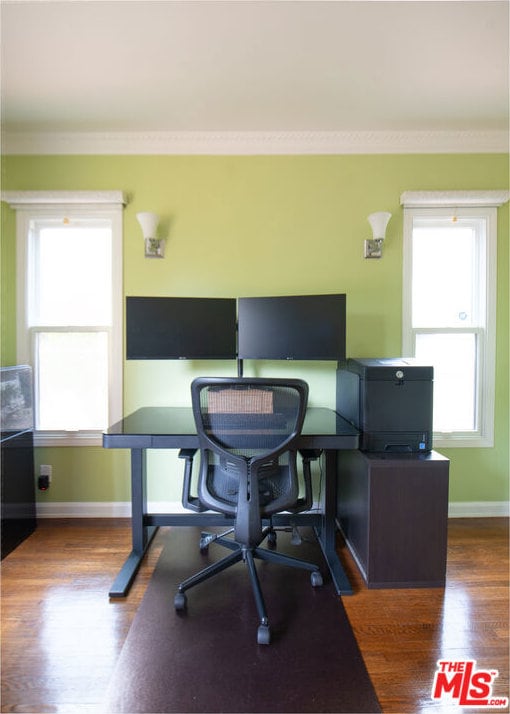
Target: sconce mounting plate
{"points": [[154, 247], [373, 248]]}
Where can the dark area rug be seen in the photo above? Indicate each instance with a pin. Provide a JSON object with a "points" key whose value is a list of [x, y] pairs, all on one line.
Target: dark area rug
{"points": [[208, 659]]}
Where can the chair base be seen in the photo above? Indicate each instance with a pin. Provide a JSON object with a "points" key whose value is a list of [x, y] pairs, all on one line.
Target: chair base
{"points": [[248, 555]]}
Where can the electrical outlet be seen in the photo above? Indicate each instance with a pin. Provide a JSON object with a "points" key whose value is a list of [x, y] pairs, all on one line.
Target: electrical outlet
{"points": [[46, 470]]}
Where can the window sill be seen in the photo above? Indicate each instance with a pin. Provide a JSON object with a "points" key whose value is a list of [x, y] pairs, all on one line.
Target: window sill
{"points": [[458, 441], [68, 438]]}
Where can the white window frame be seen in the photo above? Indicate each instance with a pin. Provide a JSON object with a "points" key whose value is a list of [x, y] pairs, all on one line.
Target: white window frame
{"points": [[478, 205], [32, 205]]}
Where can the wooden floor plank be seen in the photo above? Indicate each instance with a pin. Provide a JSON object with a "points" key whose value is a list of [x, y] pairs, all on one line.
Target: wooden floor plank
{"points": [[61, 635]]}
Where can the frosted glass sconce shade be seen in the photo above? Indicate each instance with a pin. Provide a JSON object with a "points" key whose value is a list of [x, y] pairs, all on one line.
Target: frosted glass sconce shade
{"points": [[378, 222], [149, 223], [154, 247]]}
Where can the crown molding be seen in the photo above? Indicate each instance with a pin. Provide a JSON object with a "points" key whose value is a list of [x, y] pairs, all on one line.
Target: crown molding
{"points": [[453, 199], [255, 143], [24, 199]]}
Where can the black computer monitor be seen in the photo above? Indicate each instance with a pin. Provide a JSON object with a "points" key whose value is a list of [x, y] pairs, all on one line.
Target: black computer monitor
{"points": [[299, 327], [180, 328]]}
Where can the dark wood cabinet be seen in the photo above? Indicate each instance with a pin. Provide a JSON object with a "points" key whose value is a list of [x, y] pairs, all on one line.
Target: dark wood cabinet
{"points": [[18, 489], [393, 512]]}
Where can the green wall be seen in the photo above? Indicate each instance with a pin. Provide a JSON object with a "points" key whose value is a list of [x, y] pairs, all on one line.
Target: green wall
{"points": [[261, 225]]}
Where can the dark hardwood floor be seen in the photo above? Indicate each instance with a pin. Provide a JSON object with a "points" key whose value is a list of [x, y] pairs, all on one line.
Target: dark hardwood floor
{"points": [[61, 635], [403, 633]]}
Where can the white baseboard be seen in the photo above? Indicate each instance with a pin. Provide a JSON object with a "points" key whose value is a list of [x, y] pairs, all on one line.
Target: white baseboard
{"points": [[101, 509], [122, 509], [479, 509]]}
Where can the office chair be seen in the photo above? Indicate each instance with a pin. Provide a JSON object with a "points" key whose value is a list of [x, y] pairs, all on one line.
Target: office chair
{"points": [[247, 430]]}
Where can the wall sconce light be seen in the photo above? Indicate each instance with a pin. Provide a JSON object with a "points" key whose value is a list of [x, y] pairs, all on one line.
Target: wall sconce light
{"points": [[154, 247], [378, 222]]}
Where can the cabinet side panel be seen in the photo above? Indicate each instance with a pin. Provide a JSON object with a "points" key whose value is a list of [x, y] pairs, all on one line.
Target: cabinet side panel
{"points": [[353, 504], [408, 523]]}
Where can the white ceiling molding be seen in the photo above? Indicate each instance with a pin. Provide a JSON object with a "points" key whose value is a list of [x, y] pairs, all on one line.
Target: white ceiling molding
{"points": [[253, 143], [453, 199], [27, 199]]}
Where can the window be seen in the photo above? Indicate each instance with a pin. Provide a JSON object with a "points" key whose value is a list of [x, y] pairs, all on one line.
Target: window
{"points": [[450, 308], [70, 312]]}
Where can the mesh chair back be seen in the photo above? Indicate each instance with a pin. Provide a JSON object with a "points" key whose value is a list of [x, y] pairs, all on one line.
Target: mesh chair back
{"points": [[247, 429]]}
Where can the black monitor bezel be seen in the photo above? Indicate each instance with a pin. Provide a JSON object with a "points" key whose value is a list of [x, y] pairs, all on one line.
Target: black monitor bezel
{"points": [[268, 345], [205, 313]]}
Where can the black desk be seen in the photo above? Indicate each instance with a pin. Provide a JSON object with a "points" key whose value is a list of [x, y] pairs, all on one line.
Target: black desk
{"points": [[174, 428]]}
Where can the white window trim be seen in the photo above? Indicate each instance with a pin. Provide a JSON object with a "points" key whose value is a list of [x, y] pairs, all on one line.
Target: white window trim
{"points": [[441, 203], [107, 204]]}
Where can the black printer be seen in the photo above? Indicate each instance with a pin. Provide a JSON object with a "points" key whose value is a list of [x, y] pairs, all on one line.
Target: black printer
{"points": [[389, 400]]}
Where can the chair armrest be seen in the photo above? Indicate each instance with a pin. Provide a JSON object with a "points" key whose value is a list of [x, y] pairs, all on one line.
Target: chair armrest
{"points": [[307, 455], [189, 501], [310, 454]]}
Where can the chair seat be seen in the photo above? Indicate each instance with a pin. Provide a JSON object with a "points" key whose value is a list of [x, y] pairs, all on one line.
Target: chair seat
{"points": [[275, 485]]}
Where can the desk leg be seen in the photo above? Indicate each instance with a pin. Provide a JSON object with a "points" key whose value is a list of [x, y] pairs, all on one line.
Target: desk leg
{"points": [[141, 536], [327, 533]]}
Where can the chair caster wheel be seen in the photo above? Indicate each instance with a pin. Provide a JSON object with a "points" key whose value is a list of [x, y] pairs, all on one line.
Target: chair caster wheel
{"points": [[263, 635], [271, 541], [316, 579], [180, 601], [205, 540]]}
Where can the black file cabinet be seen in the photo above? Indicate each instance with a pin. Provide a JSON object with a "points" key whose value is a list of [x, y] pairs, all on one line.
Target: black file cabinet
{"points": [[17, 447], [18, 489], [393, 512]]}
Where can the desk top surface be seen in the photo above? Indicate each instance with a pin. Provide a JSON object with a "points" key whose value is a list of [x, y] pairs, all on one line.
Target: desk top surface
{"points": [[174, 427]]}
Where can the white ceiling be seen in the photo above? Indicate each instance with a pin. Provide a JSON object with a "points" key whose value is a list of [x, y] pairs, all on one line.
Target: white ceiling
{"points": [[255, 66]]}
